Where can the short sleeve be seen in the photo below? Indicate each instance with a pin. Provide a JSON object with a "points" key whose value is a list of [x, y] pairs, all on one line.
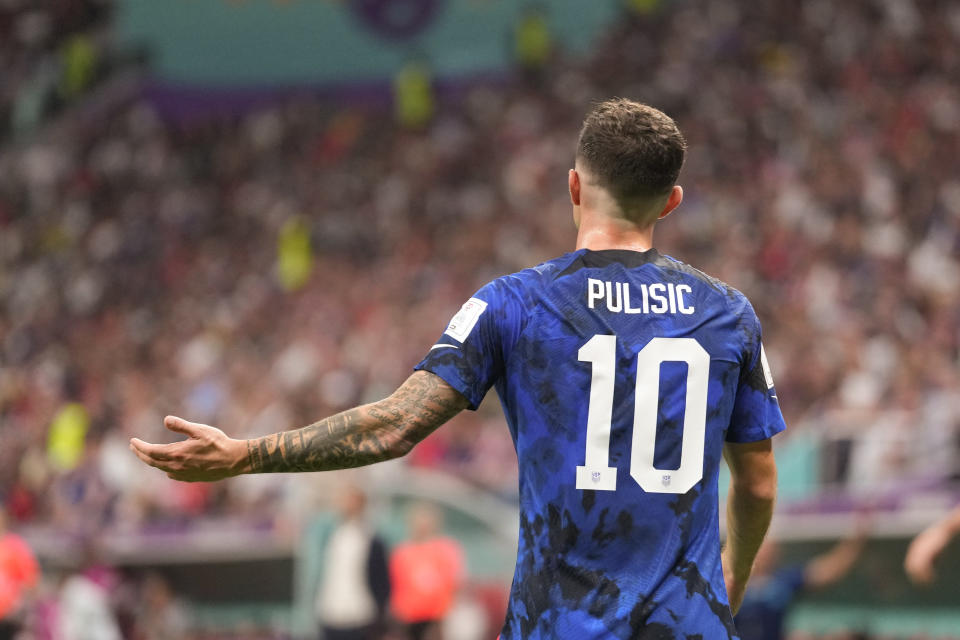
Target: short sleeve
{"points": [[756, 410], [471, 352]]}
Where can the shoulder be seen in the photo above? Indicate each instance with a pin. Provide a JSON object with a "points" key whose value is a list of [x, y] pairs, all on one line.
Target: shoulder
{"points": [[736, 302], [545, 272], [671, 264], [521, 286]]}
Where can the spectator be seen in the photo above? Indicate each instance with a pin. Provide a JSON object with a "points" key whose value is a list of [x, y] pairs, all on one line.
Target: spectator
{"points": [[533, 42], [355, 587], [413, 95], [85, 608], [426, 572], [18, 576], [161, 616]]}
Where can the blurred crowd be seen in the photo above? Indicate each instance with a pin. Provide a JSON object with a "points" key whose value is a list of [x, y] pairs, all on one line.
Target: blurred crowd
{"points": [[258, 272], [51, 51], [365, 591], [88, 602]]}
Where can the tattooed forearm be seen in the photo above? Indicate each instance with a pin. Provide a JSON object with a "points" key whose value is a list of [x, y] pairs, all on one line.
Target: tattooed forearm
{"points": [[364, 435]]}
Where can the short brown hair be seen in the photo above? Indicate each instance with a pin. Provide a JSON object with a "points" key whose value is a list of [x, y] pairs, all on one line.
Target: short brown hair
{"points": [[633, 150]]}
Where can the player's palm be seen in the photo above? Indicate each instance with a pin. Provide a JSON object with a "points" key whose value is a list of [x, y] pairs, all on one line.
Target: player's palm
{"points": [[207, 454]]}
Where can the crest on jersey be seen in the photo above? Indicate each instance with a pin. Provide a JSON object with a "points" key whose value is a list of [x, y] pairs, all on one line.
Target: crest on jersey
{"points": [[665, 480]]}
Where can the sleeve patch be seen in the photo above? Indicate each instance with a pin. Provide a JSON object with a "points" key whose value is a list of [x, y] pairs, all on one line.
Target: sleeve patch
{"points": [[767, 375], [466, 319]]}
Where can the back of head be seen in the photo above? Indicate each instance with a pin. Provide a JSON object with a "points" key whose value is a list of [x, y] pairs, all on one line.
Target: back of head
{"points": [[635, 153]]}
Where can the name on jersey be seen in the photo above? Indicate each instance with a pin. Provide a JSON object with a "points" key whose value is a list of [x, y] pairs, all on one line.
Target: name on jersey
{"points": [[658, 297]]}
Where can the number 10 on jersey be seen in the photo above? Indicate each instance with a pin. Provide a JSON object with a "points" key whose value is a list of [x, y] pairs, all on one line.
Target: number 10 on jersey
{"points": [[595, 473]]}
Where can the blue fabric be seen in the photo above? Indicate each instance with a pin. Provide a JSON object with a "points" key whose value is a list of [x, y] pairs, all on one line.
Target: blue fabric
{"points": [[625, 563], [766, 603]]}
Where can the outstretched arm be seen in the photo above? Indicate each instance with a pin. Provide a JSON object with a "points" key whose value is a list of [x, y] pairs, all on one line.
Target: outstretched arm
{"points": [[927, 547], [833, 566], [364, 435]]}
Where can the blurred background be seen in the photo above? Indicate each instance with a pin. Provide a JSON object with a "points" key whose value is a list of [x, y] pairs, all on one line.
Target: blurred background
{"points": [[255, 213]]}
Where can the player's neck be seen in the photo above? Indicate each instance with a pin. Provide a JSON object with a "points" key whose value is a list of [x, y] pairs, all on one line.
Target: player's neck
{"points": [[598, 232]]}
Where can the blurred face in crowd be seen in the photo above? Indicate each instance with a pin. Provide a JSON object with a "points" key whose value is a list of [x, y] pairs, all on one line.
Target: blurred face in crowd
{"points": [[352, 503], [156, 592], [425, 522]]}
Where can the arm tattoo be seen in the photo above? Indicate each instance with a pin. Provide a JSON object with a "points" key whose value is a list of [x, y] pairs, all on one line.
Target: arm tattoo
{"points": [[364, 435]]}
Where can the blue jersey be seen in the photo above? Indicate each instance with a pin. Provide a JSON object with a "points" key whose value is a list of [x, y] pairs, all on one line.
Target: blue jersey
{"points": [[621, 375]]}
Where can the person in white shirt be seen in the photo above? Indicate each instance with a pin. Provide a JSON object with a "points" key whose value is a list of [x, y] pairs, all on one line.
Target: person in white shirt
{"points": [[84, 607], [355, 587]]}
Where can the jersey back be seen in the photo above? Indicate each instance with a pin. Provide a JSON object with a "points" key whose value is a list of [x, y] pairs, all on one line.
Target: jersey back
{"points": [[621, 375]]}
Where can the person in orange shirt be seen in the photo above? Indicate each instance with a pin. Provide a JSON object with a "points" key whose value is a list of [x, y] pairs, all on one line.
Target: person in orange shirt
{"points": [[18, 574], [426, 572]]}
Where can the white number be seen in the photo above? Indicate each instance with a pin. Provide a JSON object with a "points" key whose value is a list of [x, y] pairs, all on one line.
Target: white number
{"points": [[595, 473]]}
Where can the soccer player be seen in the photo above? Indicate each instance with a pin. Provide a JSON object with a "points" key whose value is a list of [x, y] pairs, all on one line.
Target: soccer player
{"points": [[624, 375]]}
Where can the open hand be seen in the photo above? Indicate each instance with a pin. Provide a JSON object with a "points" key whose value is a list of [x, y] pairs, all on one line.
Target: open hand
{"points": [[206, 455]]}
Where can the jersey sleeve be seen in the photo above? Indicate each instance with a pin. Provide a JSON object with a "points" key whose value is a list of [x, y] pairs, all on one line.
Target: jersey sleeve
{"points": [[471, 352], [756, 410]]}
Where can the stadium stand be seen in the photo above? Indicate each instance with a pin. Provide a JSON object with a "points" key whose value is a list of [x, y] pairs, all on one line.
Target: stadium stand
{"points": [[258, 271]]}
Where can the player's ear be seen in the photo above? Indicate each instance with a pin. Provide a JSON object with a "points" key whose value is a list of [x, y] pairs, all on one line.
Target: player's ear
{"points": [[673, 201], [573, 184]]}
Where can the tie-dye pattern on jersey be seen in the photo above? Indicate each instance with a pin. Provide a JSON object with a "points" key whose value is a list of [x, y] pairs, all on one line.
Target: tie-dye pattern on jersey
{"points": [[624, 562]]}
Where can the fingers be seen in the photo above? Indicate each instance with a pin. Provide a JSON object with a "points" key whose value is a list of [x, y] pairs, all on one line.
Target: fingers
{"points": [[173, 472], [201, 457], [153, 455], [180, 425], [145, 457], [158, 452]]}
